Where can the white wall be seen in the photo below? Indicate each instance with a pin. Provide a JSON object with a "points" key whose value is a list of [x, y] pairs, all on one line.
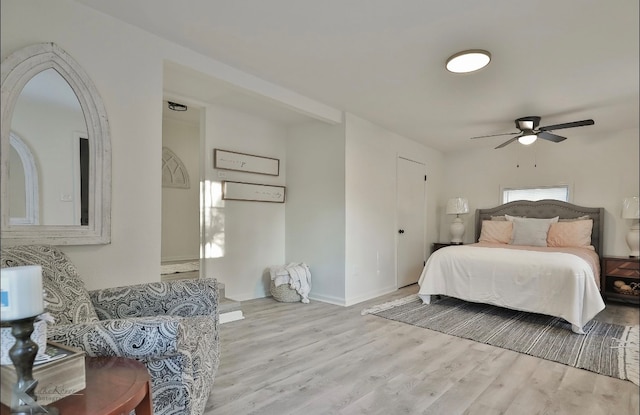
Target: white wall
{"points": [[315, 209], [341, 211], [600, 170], [181, 207], [243, 239], [126, 65], [371, 222]]}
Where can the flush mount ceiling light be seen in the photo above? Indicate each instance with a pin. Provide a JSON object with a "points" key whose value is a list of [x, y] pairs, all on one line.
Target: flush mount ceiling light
{"points": [[468, 61], [176, 107]]}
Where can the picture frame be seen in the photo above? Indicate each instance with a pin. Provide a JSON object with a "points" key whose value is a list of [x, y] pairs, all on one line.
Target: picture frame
{"points": [[232, 160], [252, 192]]}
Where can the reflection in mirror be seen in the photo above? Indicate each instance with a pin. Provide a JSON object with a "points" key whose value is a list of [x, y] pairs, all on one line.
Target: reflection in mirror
{"points": [[56, 151], [23, 184], [55, 143]]}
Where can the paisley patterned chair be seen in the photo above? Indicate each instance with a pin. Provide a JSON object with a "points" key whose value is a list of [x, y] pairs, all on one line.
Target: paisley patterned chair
{"points": [[171, 327]]}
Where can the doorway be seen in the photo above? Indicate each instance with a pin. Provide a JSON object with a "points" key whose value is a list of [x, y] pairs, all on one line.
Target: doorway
{"points": [[180, 185], [411, 218]]}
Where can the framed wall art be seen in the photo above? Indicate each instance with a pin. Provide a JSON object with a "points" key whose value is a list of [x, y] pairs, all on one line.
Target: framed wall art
{"points": [[252, 192], [231, 160]]}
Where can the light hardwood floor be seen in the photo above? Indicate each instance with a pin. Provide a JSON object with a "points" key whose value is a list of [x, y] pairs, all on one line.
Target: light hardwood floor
{"points": [[319, 358]]}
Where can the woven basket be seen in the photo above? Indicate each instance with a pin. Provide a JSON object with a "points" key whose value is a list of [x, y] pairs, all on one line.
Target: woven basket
{"points": [[284, 293]]}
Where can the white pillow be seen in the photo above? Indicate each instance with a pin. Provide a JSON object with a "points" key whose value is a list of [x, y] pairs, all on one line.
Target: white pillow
{"points": [[523, 218], [530, 231]]}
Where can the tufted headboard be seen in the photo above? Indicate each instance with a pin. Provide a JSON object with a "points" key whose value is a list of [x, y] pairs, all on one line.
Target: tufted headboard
{"points": [[547, 209]]}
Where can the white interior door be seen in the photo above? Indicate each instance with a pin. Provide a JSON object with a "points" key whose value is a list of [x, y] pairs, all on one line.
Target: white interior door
{"points": [[411, 221]]}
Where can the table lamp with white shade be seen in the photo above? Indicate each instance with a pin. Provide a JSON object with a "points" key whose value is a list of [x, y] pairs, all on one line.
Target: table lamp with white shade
{"points": [[631, 210], [457, 206]]}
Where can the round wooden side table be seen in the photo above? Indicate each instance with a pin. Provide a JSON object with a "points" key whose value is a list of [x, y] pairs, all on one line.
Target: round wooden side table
{"points": [[114, 386]]}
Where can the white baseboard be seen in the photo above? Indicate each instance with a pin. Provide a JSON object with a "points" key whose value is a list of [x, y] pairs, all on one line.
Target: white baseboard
{"points": [[180, 258], [327, 299], [370, 295], [231, 316], [351, 301]]}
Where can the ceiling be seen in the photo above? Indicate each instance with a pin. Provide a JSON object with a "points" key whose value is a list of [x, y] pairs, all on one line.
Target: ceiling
{"points": [[384, 60]]}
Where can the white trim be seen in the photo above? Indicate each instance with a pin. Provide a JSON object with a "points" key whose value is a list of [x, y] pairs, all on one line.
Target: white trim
{"points": [[231, 316], [329, 299]]}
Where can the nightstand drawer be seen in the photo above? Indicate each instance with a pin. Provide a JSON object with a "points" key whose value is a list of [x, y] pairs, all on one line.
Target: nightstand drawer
{"points": [[622, 268], [619, 270]]}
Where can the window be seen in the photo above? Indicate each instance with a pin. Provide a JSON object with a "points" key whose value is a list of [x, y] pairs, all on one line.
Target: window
{"points": [[509, 194]]}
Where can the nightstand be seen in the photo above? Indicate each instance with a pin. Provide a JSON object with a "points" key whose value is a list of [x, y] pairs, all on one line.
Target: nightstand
{"points": [[438, 245], [620, 268]]}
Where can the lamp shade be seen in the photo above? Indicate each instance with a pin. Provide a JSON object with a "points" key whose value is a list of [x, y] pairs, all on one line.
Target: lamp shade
{"points": [[631, 208], [457, 206]]}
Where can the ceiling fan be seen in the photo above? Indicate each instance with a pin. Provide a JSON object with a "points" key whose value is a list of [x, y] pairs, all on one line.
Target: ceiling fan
{"points": [[529, 131]]}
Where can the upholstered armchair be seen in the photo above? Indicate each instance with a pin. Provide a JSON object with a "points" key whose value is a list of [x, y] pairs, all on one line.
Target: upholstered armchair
{"points": [[171, 327]]}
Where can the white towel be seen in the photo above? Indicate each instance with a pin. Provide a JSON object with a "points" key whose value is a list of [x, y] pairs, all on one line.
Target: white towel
{"points": [[300, 279], [279, 275]]}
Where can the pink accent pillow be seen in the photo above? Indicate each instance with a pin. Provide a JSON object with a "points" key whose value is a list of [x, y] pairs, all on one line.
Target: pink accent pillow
{"points": [[576, 234], [496, 231]]}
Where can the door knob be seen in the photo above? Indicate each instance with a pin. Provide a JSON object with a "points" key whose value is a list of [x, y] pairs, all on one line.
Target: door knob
{"points": [[401, 231]]}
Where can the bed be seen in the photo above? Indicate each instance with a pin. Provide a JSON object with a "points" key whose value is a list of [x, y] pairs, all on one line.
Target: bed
{"points": [[511, 268]]}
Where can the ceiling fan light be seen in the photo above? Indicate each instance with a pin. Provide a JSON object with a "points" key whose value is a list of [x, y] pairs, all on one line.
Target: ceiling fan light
{"points": [[468, 61], [527, 139]]}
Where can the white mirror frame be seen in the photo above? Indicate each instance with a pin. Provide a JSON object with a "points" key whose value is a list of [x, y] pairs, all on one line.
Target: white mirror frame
{"points": [[17, 69]]}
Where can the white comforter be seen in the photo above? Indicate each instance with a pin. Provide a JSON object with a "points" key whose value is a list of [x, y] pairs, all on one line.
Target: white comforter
{"points": [[552, 283]]}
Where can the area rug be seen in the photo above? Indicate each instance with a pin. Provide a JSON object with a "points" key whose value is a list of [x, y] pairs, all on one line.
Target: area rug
{"points": [[607, 349]]}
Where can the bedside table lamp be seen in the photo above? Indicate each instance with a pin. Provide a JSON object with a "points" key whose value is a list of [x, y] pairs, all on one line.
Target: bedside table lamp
{"points": [[631, 210], [457, 206], [21, 301]]}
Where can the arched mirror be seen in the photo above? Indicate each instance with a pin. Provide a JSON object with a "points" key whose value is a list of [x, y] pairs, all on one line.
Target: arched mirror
{"points": [[56, 163]]}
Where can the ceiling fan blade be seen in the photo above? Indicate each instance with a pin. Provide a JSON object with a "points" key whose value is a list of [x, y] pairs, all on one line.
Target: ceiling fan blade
{"points": [[551, 137], [507, 142], [494, 135], [567, 125]]}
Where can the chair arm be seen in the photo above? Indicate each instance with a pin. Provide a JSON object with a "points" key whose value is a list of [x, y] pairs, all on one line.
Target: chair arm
{"points": [[145, 339], [177, 298]]}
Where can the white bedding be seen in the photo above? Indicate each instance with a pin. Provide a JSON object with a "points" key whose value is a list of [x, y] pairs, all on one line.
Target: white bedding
{"points": [[553, 283]]}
